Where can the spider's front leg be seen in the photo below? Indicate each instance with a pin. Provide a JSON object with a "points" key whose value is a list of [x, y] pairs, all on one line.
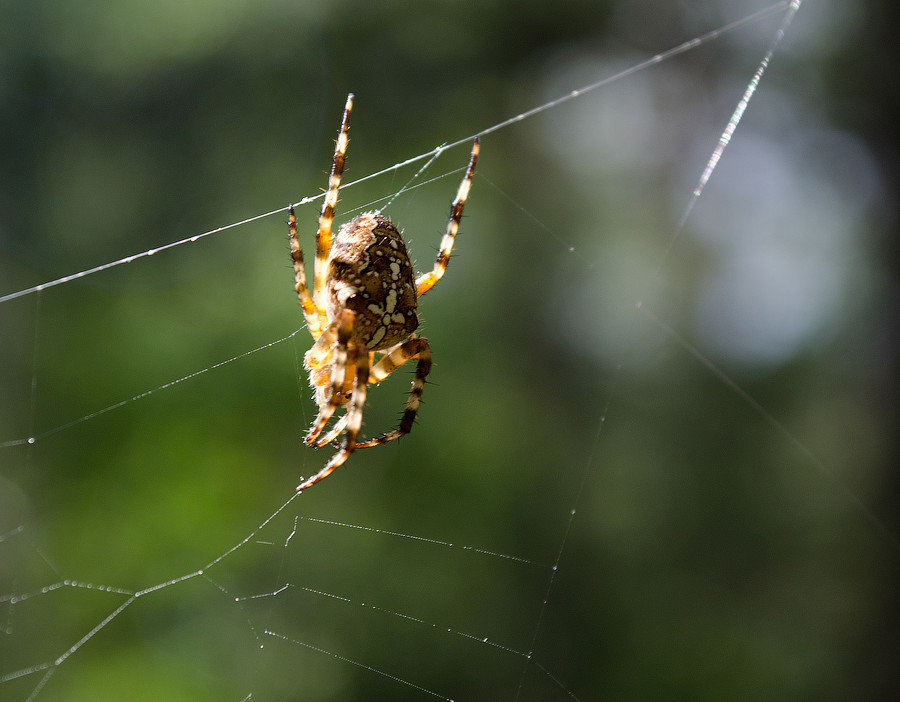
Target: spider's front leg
{"points": [[359, 357], [416, 347], [346, 357], [342, 359]]}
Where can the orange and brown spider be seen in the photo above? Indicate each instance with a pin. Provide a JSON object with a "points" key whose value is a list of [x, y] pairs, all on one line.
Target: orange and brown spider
{"points": [[363, 303]]}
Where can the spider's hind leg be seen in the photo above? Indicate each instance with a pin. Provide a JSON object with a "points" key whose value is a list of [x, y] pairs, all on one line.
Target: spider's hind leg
{"points": [[326, 218], [314, 319], [426, 281]]}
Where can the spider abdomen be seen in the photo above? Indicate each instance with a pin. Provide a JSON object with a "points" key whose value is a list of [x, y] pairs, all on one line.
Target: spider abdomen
{"points": [[363, 301], [369, 273]]}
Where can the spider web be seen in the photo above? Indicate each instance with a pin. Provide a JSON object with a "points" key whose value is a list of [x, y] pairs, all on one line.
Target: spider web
{"points": [[608, 493]]}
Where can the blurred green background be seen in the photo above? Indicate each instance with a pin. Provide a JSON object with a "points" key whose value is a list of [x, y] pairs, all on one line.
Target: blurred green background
{"points": [[725, 544]]}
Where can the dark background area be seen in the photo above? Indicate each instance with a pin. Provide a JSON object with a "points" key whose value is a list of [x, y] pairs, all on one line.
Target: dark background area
{"points": [[729, 447]]}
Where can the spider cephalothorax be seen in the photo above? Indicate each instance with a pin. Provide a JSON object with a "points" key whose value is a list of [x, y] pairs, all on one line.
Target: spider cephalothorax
{"points": [[363, 302]]}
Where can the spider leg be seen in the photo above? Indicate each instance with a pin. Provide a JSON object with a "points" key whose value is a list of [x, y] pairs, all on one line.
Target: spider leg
{"points": [[341, 424], [313, 317], [354, 418], [338, 427], [415, 347], [426, 281], [326, 219], [320, 352], [344, 358]]}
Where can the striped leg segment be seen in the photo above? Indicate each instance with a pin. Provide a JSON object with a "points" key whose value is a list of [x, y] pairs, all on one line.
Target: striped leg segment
{"points": [[344, 358], [326, 219], [341, 424], [354, 422], [414, 348], [336, 430], [313, 319], [426, 281], [340, 362]]}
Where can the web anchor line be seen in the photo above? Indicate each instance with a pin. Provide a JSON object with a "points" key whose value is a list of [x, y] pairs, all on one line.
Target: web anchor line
{"points": [[723, 141], [643, 65], [49, 667]]}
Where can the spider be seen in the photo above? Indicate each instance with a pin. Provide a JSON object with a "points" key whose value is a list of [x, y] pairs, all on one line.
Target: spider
{"points": [[363, 303]]}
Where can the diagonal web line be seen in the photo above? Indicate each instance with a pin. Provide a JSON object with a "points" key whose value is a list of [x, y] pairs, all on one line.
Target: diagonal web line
{"points": [[724, 140], [140, 396], [50, 666], [658, 58]]}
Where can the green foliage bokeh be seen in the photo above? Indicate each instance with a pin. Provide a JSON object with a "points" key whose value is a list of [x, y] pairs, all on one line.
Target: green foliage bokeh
{"points": [[716, 551]]}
